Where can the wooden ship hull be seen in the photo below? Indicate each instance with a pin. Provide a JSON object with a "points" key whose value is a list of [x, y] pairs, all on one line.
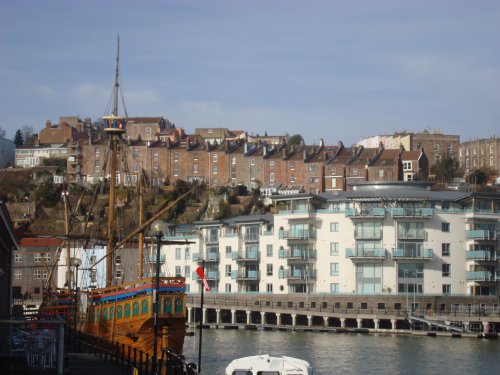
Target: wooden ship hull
{"points": [[125, 314]]}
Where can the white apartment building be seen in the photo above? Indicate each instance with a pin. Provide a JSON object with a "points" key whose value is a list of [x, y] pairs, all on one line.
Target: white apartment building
{"points": [[385, 238]]}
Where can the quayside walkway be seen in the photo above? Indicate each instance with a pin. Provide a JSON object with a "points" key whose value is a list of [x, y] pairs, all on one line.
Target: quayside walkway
{"points": [[53, 348], [346, 314]]}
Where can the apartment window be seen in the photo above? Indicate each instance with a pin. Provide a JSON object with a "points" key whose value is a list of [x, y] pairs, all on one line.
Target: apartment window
{"points": [[381, 173], [195, 155], [446, 288], [446, 270], [252, 161], [334, 269], [19, 258], [313, 180], [407, 166], [491, 161], [37, 274], [491, 150], [312, 168], [355, 171], [436, 147], [269, 288], [450, 148], [177, 253], [438, 158], [445, 249], [137, 167], [37, 257], [334, 171], [195, 168], [334, 182], [228, 270], [176, 168], [445, 227], [482, 151], [334, 248], [269, 250], [419, 146], [271, 176], [292, 178], [228, 251], [97, 152], [269, 269], [18, 274], [334, 227], [334, 288], [135, 153], [292, 166], [215, 169], [187, 253], [187, 271], [97, 166], [271, 164], [228, 287], [148, 132], [178, 272], [118, 273], [46, 257], [215, 158]]}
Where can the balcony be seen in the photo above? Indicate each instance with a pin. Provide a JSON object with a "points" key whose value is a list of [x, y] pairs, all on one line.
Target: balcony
{"points": [[412, 235], [209, 275], [211, 240], [245, 275], [365, 254], [209, 257], [152, 259], [372, 212], [248, 256], [153, 274], [412, 254], [412, 212], [487, 276], [480, 235], [251, 237], [298, 275], [368, 235], [297, 234], [478, 255], [297, 255]]}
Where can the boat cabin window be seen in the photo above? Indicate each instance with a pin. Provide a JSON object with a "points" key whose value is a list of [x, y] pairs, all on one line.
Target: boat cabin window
{"points": [[242, 372], [268, 373]]}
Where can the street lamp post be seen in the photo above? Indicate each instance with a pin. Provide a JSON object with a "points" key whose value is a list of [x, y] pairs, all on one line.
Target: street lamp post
{"points": [[159, 228]]}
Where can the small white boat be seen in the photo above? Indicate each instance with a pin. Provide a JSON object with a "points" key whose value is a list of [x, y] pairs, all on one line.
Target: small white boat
{"points": [[267, 365]]}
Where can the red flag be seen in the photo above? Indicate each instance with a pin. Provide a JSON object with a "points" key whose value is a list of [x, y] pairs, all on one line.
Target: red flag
{"points": [[201, 274]]}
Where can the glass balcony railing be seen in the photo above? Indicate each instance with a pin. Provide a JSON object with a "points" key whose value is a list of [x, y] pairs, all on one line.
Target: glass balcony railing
{"points": [[297, 234], [372, 212], [245, 256], [365, 253], [251, 237], [481, 255], [412, 212], [245, 275], [412, 254], [481, 276], [480, 234]]}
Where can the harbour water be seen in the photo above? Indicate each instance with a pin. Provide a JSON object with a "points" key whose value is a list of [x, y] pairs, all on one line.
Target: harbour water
{"points": [[333, 353]]}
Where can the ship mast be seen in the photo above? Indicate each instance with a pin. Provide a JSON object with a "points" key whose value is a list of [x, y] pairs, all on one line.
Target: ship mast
{"points": [[114, 125]]}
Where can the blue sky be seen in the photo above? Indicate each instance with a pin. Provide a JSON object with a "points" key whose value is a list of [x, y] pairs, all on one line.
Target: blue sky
{"points": [[332, 70]]}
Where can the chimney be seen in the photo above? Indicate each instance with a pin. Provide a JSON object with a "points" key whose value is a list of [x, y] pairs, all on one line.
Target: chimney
{"points": [[305, 155], [321, 142], [245, 149], [264, 150]]}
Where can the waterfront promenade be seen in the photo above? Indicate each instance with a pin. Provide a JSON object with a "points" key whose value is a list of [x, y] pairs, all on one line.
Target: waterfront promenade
{"points": [[391, 314]]}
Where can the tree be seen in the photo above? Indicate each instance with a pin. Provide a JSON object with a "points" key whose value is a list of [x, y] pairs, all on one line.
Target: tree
{"points": [[2, 132], [27, 131], [18, 138], [295, 139], [480, 176], [446, 169]]}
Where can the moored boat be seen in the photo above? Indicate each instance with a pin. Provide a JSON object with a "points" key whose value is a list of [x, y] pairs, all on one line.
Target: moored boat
{"points": [[269, 365]]}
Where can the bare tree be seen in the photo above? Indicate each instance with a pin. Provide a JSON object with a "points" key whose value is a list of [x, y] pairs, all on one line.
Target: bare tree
{"points": [[2, 132], [27, 131]]}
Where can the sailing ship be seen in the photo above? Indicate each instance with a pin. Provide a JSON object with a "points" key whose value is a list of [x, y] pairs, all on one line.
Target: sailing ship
{"points": [[129, 313]]}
